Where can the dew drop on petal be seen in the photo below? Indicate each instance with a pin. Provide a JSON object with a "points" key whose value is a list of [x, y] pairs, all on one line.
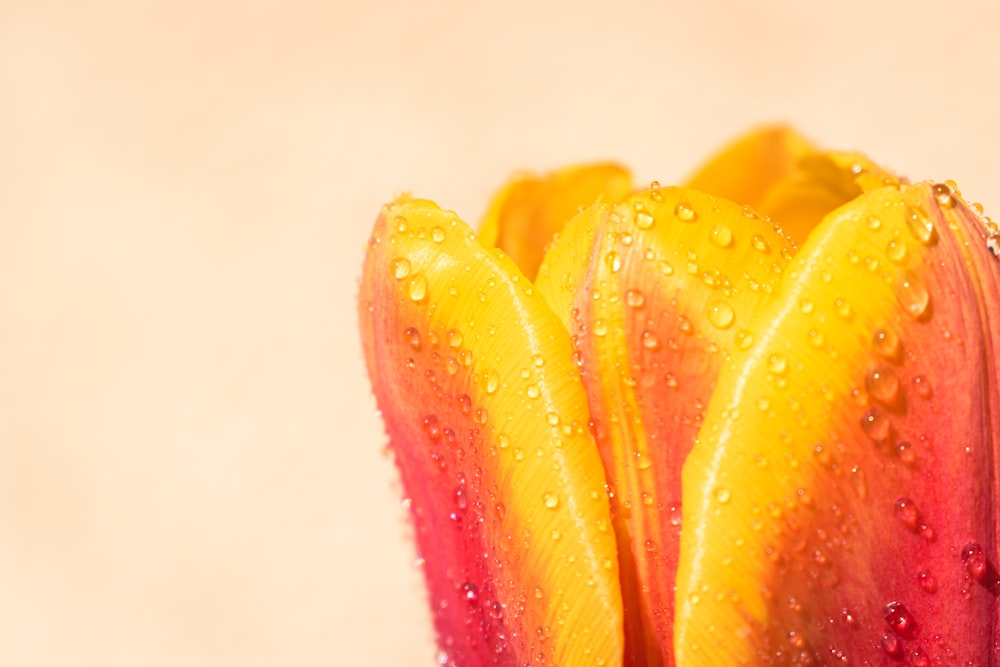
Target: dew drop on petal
{"points": [[722, 236], [644, 220], [720, 314], [886, 344], [882, 384], [400, 268], [896, 251], [412, 337], [417, 288], [635, 298], [900, 620], [906, 511], [684, 212], [919, 225], [912, 294], [875, 425], [760, 244], [927, 581], [551, 501]]}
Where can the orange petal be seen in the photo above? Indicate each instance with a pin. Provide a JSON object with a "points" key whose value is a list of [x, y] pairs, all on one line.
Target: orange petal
{"points": [[528, 211], [840, 505], [487, 419], [656, 291], [746, 170], [819, 183]]}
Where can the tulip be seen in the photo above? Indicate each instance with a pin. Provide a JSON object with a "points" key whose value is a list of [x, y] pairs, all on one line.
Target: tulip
{"points": [[754, 420]]}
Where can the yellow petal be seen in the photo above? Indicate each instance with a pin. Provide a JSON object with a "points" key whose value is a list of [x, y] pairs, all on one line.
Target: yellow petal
{"points": [[528, 211], [819, 183], [840, 502], [656, 292], [746, 170], [487, 419]]}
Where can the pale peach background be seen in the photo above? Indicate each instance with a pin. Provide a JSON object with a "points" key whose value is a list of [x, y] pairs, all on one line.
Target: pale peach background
{"points": [[190, 463]]}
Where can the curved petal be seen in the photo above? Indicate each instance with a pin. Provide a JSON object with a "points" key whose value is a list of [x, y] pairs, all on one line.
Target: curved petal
{"points": [[487, 419], [656, 291], [840, 502], [528, 211], [747, 168], [819, 183]]}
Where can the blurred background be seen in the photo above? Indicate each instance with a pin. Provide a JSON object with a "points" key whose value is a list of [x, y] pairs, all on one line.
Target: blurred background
{"points": [[191, 468]]}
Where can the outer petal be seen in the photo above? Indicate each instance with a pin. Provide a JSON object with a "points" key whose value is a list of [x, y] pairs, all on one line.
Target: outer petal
{"points": [[487, 419], [527, 212], [657, 291], [841, 500]]}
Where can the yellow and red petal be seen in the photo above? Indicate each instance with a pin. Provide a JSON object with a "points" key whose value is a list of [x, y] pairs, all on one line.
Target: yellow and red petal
{"points": [[487, 419], [840, 502], [525, 215], [656, 291]]}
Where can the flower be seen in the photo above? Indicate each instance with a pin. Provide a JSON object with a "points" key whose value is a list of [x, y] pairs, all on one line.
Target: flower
{"points": [[683, 430]]}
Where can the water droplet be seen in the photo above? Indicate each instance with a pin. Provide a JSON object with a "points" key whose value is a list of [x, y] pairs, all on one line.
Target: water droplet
{"points": [[461, 499], [919, 658], [921, 228], [922, 386], [538, 360], [721, 494], [891, 646], [417, 289], [600, 328], [912, 294], [874, 222], [900, 620], [876, 425], [927, 581], [886, 344], [465, 404], [744, 339], [907, 512], [614, 261], [491, 381], [976, 564], [400, 268], [666, 268], [896, 251], [650, 341], [552, 418], [635, 298], [644, 220], [437, 234], [943, 195], [882, 385], [842, 308], [720, 314], [412, 337], [532, 391], [777, 363], [722, 236], [470, 591], [760, 244], [805, 306], [551, 500], [503, 440], [684, 212]]}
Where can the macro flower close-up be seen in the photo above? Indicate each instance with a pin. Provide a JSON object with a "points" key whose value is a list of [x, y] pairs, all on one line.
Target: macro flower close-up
{"points": [[750, 420]]}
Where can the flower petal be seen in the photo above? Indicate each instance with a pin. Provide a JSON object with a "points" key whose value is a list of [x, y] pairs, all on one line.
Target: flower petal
{"points": [[819, 183], [487, 419], [528, 211], [656, 291], [746, 170], [840, 502]]}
